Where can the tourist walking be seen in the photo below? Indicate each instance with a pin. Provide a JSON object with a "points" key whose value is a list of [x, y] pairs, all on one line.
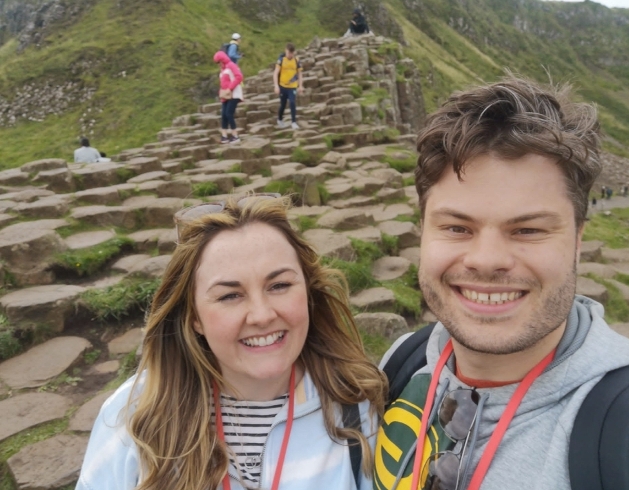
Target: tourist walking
{"points": [[233, 48], [288, 81], [230, 94]]}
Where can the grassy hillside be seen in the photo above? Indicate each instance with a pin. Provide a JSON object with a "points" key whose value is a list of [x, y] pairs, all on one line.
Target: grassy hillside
{"points": [[151, 61]]}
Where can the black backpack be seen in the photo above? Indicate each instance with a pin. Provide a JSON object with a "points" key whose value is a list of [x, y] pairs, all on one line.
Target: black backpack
{"points": [[598, 455]]}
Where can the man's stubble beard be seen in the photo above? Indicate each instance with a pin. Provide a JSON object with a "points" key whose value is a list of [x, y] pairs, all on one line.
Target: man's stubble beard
{"points": [[549, 316]]}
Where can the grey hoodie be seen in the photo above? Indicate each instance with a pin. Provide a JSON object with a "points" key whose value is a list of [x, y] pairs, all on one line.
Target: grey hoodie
{"points": [[533, 454]]}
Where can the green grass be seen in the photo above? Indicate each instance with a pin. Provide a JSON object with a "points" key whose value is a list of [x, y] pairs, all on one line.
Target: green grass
{"points": [[613, 230], [306, 223], [390, 244], [204, 189], [375, 345], [128, 297], [128, 366], [357, 90], [91, 356], [283, 187], [88, 261], [402, 165], [408, 181], [333, 140], [616, 308], [9, 344], [303, 156]]}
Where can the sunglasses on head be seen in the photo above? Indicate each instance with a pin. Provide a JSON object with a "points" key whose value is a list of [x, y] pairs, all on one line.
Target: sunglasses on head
{"points": [[457, 415], [191, 213]]}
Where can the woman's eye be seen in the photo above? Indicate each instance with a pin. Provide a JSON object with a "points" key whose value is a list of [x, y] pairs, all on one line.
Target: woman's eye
{"points": [[228, 297], [280, 286]]}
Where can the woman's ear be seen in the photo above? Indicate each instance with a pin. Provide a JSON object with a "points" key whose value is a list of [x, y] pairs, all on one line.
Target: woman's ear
{"points": [[198, 328]]}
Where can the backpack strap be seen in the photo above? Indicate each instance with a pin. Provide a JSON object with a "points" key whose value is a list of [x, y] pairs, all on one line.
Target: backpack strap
{"points": [[406, 360], [351, 420], [598, 455]]}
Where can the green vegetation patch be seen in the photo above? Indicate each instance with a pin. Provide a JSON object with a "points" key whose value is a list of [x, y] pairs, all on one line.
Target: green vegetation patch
{"points": [[9, 344], [128, 367], [88, 261], [616, 307], [356, 90], [304, 156], [333, 140], [402, 165], [375, 345], [123, 299], [306, 223], [612, 229], [204, 189]]}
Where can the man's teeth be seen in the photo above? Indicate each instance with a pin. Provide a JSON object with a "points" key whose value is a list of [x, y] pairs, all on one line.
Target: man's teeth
{"points": [[491, 298], [263, 341]]}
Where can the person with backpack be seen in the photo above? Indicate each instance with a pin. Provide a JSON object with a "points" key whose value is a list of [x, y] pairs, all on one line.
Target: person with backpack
{"points": [[358, 24], [230, 94], [521, 384], [232, 48], [288, 81]]}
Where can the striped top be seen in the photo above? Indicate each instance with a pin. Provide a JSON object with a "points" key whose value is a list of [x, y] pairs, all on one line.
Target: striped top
{"points": [[246, 426]]}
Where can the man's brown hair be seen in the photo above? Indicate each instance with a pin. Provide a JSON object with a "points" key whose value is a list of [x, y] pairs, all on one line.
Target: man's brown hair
{"points": [[510, 119], [290, 47]]}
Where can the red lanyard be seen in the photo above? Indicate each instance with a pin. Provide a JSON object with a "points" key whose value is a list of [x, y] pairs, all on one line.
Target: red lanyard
{"points": [[289, 426], [499, 431]]}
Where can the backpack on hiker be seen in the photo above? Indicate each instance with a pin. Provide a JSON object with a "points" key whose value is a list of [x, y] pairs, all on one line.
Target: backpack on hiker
{"points": [[598, 455]]}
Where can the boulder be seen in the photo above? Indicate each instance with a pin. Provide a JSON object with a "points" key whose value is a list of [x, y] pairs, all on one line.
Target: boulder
{"points": [[334, 67], [93, 176], [52, 463], [98, 195], [180, 188], [412, 254], [160, 212], [30, 409], [50, 305], [58, 180], [125, 264], [389, 268], [591, 289], [105, 216], [83, 419], [388, 325], [374, 299], [406, 233], [44, 165], [43, 362], [591, 251], [143, 165], [151, 268], [346, 219], [330, 244], [13, 176]]}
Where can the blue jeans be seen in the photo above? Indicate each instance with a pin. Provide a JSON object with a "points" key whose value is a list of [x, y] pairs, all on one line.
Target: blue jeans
{"points": [[227, 113], [288, 94]]}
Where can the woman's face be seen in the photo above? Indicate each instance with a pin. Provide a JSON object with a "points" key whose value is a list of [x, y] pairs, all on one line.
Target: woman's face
{"points": [[251, 302]]}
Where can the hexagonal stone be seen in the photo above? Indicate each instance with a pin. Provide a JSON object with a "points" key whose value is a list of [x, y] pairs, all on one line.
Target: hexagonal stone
{"points": [[43, 362], [49, 464], [345, 219], [92, 176], [248, 149], [44, 165], [353, 202], [127, 342], [389, 268], [393, 211], [58, 180], [99, 195], [107, 367], [160, 212], [181, 188], [623, 289], [591, 289], [125, 264], [307, 211], [13, 176], [369, 234], [27, 195], [83, 419], [378, 299], [142, 165], [601, 270], [41, 305], [615, 254], [121, 216], [167, 242], [145, 177], [412, 254], [388, 325], [48, 207], [591, 251], [30, 409], [89, 239], [151, 268], [407, 233], [330, 244]]}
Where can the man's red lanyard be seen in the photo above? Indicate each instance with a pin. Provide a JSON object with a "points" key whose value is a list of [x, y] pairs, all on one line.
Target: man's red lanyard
{"points": [[289, 426], [499, 431]]}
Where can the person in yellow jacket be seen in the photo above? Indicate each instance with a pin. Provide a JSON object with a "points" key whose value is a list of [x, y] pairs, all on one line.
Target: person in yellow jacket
{"points": [[288, 80]]}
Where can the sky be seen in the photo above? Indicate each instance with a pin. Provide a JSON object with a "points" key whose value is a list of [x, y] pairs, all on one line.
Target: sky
{"points": [[607, 3]]}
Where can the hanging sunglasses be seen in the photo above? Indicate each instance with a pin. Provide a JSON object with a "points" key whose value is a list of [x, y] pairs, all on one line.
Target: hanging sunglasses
{"points": [[457, 415], [186, 215]]}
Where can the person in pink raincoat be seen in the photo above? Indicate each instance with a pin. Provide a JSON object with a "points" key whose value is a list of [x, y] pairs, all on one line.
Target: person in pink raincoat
{"points": [[230, 95]]}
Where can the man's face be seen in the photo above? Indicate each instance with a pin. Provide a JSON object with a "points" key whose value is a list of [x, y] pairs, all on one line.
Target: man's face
{"points": [[289, 54], [499, 252]]}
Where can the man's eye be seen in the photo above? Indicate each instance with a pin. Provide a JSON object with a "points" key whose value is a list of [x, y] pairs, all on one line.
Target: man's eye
{"points": [[528, 231], [457, 229]]}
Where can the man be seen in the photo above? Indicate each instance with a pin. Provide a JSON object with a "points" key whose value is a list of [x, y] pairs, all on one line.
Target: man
{"points": [[233, 50], [288, 81], [86, 154], [503, 179]]}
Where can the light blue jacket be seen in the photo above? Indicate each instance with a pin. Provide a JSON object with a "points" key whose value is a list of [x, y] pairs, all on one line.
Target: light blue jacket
{"points": [[233, 53], [313, 460]]}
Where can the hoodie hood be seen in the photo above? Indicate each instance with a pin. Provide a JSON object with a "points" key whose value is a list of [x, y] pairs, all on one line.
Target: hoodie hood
{"points": [[221, 57]]}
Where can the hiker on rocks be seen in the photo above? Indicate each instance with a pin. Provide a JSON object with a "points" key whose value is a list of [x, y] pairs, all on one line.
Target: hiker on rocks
{"points": [[608, 192], [288, 81], [603, 192], [358, 24], [230, 94], [515, 352], [233, 48], [250, 363], [86, 154]]}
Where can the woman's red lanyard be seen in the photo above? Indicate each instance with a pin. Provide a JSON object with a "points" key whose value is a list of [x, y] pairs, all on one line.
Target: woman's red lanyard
{"points": [[499, 431], [289, 426]]}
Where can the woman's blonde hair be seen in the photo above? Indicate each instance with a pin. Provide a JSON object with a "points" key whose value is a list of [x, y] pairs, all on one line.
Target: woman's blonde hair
{"points": [[171, 423]]}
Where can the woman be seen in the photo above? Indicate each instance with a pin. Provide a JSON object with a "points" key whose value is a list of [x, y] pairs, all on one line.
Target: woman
{"points": [[230, 94], [246, 318]]}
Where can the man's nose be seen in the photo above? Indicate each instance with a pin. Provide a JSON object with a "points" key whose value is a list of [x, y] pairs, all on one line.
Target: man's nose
{"points": [[489, 252]]}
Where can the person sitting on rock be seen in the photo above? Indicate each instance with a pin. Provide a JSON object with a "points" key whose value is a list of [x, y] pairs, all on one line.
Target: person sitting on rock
{"points": [[252, 374], [86, 154], [358, 24]]}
